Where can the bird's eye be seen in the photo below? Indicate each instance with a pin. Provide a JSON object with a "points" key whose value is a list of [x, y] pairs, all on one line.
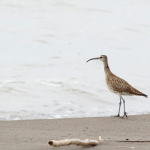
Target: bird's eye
{"points": [[100, 57]]}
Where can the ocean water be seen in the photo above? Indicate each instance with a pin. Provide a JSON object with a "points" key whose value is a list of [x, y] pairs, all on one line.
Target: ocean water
{"points": [[44, 46]]}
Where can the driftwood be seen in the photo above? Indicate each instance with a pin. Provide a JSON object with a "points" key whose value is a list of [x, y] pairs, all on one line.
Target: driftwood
{"points": [[77, 142]]}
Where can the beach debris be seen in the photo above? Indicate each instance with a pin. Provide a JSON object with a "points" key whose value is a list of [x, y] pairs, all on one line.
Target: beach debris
{"points": [[77, 142], [135, 141], [126, 147], [100, 138]]}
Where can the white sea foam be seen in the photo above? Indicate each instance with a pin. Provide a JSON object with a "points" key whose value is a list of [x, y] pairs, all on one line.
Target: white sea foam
{"points": [[44, 46]]}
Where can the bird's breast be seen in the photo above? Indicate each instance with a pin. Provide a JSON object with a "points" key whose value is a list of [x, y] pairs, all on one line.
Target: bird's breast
{"points": [[112, 85]]}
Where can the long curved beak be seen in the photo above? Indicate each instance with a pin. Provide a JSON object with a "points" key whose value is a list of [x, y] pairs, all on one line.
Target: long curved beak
{"points": [[93, 58]]}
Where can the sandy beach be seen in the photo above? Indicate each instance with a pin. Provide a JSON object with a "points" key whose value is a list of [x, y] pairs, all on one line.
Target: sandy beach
{"points": [[34, 134]]}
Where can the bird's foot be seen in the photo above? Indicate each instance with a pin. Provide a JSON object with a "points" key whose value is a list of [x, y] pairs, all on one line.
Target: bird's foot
{"points": [[125, 115]]}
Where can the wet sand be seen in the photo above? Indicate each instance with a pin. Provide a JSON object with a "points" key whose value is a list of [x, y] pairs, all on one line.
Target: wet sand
{"points": [[34, 134]]}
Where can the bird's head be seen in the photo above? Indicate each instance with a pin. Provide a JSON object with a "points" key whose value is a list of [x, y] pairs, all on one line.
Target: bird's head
{"points": [[103, 58]]}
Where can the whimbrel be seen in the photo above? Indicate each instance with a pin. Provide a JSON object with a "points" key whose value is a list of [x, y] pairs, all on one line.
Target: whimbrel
{"points": [[117, 85]]}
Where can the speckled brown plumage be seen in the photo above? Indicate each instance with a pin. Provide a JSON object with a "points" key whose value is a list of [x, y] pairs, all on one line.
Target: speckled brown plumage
{"points": [[120, 86]]}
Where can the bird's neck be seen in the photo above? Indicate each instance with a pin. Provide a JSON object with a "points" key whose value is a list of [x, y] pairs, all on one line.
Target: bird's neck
{"points": [[106, 68]]}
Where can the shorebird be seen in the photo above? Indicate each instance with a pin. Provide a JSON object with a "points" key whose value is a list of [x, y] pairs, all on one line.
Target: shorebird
{"points": [[117, 85]]}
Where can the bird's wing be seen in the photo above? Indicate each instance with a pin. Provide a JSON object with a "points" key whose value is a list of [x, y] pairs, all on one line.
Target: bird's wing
{"points": [[120, 85]]}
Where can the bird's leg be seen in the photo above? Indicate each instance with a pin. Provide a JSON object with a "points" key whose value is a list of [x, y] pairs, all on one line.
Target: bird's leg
{"points": [[125, 113], [119, 109]]}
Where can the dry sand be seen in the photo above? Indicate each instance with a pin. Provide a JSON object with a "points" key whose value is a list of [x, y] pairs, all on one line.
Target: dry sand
{"points": [[34, 134]]}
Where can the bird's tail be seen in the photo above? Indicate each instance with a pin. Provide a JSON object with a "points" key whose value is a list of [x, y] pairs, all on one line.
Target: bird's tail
{"points": [[144, 95]]}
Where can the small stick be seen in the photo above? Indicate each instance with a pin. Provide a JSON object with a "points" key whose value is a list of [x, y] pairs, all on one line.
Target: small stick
{"points": [[126, 147], [135, 141]]}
